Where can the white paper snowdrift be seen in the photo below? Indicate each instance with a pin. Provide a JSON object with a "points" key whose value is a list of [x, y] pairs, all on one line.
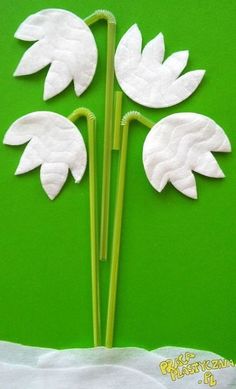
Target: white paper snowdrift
{"points": [[23, 367]]}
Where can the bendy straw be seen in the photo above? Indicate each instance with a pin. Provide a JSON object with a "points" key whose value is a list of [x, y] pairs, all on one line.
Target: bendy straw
{"points": [[125, 126], [91, 124], [111, 37]]}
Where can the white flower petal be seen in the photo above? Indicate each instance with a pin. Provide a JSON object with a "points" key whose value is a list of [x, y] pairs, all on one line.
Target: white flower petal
{"points": [[14, 137], [128, 53], [66, 41], [179, 144], [154, 50], [184, 181], [183, 87], [53, 176], [208, 166], [77, 168], [32, 28], [176, 63], [31, 158], [34, 59], [58, 78]]}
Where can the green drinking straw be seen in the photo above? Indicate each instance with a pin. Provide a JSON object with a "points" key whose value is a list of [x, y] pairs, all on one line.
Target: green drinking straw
{"points": [[91, 125], [117, 120], [125, 125], [111, 38]]}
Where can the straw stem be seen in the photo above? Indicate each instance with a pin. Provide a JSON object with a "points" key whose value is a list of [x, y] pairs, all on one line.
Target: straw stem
{"points": [[125, 125], [105, 205], [91, 125], [117, 120]]}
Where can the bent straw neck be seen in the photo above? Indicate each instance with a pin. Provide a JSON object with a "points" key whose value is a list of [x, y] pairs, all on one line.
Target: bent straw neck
{"points": [[100, 14], [135, 115], [82, 112], [127, 119]]}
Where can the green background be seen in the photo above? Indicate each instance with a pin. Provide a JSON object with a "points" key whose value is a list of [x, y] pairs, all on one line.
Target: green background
{"points": [[177, 273]]}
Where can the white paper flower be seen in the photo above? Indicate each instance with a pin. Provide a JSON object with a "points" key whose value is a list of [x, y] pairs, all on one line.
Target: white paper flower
{"points": [[179, 144], [99, 368], [65, 42], [146, 79], [55, 143]]}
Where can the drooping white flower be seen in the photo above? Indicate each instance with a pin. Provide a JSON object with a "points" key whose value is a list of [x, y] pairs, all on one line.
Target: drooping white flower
{"points": [[146, 79], [55, 143], [180, 144], [64, 41]]}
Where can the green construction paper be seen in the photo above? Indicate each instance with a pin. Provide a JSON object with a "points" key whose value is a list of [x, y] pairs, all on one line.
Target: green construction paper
{"points": [[177, 267]]}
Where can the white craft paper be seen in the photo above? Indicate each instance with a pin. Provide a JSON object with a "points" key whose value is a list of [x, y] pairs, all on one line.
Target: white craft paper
{"points": [[146, 79], [179, 144], [100, 368], [55, 143], [64, 41]]}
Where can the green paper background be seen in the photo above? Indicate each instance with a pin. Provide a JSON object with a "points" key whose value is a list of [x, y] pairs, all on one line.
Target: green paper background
{"points": [[177, 272]]}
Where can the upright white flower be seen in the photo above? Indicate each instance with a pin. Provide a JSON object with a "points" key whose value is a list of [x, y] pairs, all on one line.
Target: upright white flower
{"points": [[64, 41], [55, 143], [146, 79], [179, 144]]}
